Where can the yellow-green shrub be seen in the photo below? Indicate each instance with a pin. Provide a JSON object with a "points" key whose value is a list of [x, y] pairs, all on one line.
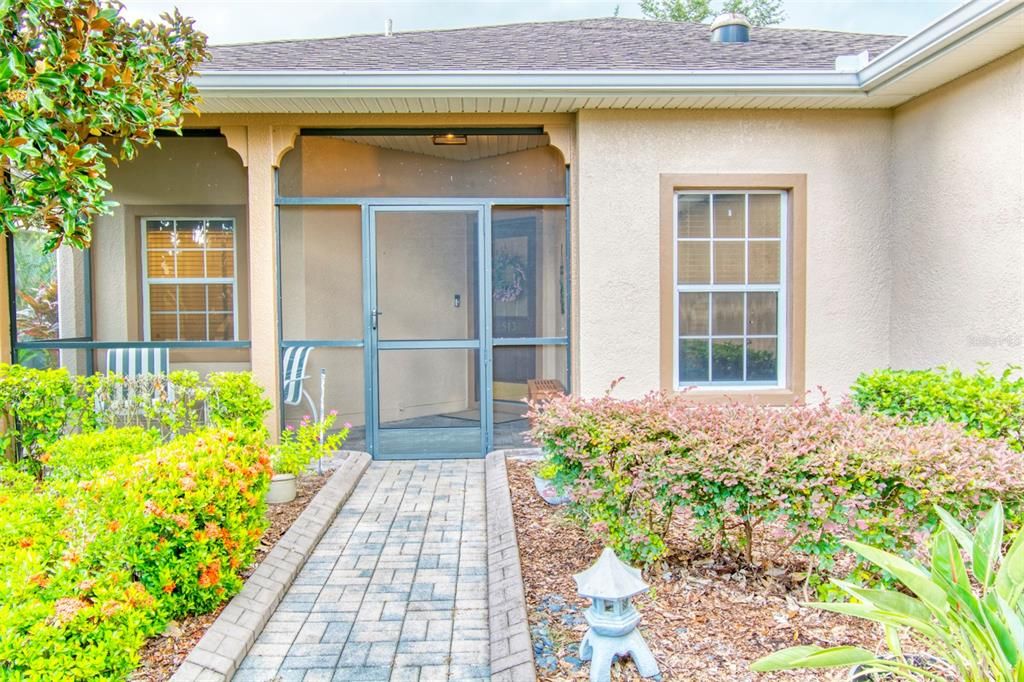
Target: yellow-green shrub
{"points": [[80, 456], [990, 405], [89, 569]]}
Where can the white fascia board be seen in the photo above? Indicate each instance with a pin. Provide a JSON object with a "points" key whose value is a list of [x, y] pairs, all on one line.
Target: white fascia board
{"points": [[938, 38], [522, 83]]}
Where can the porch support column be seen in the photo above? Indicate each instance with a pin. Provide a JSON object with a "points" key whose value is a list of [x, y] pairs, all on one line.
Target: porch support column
{"points": [[6, 354], [261, 148]]}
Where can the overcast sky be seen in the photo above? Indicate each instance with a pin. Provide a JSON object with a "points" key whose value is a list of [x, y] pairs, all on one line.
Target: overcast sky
{"points": [[233, 21]]}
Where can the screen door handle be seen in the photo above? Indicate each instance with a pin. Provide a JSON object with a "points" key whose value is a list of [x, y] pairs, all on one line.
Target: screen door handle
{"points": [[374, 314]]}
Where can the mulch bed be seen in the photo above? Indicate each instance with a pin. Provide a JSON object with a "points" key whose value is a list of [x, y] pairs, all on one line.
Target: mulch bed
{"points": [[705, 619], [162, 655]]}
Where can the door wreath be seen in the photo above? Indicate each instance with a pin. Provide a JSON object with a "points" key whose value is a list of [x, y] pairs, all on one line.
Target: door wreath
{"points": [[509, 278]]}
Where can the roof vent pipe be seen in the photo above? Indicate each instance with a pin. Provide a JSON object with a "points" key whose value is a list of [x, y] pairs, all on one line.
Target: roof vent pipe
{"points": [[387, 28], [730, 28]]}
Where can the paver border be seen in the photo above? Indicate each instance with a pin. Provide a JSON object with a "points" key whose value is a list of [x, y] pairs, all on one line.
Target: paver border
{"points": [[511, 647], [221, 650]]}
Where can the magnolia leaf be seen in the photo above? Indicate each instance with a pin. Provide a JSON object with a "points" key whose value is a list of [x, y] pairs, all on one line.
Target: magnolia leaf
{"points": [[813, 657]]}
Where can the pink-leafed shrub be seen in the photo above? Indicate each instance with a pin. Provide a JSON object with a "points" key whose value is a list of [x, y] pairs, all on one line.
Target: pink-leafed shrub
{"points": [[798, 479]]}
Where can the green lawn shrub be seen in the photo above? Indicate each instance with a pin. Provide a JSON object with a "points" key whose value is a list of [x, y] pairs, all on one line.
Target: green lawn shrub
{"points": [[39, 407], [990, 405], [81, 456], [90, 568], [806, 477]]}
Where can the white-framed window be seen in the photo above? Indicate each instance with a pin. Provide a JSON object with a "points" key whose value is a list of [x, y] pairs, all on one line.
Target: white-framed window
{"points": [[190, 281], [731, 300]]}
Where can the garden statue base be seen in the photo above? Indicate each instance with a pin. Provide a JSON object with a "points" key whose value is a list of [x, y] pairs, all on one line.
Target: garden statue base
{"points": [[282, 489], [601, 650]]}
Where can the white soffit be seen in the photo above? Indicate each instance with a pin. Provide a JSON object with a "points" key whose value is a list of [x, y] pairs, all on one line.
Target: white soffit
{"points": [[967, 38]]}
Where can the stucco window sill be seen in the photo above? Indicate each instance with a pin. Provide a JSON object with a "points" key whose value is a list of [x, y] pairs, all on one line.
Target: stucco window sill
{"points": [[768, 396]]}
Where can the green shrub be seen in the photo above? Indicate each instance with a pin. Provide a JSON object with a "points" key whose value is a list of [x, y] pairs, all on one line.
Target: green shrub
{"points": [[39, 407], [90, 569], [237, 401], [989, 405], [804, 478], [199, 502], [36, 408], [69, 606], [300, 446], [80, 456]]}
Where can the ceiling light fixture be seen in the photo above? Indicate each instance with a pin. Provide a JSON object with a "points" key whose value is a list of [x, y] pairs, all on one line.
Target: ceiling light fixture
{"points": [[449, 138]]}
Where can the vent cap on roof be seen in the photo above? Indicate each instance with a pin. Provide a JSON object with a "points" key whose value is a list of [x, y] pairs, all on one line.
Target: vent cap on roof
{"points": [[730, 28]]}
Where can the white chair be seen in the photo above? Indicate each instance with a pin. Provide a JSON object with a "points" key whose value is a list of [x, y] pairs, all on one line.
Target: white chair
{"points": [[293, 368]]}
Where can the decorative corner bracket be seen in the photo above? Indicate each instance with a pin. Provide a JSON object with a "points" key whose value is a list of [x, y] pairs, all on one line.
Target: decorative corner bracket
{"points": [[282, 140]]}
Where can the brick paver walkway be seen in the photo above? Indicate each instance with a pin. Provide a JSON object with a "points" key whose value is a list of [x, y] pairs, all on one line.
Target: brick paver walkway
{"points": [[396, 589]]}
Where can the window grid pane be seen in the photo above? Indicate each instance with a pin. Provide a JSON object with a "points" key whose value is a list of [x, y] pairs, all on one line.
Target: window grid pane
{"points": [[190, 279], [728, 329]]}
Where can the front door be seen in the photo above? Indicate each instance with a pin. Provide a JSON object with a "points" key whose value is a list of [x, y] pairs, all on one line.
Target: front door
{"points": [[424, 321]]}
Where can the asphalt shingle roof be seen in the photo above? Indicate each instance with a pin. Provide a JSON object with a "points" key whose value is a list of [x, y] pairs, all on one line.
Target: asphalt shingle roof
{"points": [[582, 45]]}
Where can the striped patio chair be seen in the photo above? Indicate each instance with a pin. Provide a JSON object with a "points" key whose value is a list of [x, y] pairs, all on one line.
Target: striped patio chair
{"points": [[293, 369], [131, 362]]}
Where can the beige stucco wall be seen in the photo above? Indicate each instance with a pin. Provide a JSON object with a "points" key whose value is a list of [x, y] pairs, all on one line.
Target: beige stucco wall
{"points": [[845, 155], [185, 177], [958, 221]]}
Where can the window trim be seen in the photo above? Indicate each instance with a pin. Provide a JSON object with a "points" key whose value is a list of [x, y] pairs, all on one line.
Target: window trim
{"points": [[148, 281], [791, 336], [711, 288]]}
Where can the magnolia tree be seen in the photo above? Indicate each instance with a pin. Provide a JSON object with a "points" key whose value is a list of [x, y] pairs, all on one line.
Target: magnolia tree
{"points": [[758, 12], [80, 84]]}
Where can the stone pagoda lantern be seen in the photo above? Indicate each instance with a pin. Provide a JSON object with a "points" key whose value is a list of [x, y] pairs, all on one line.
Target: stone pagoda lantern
{"points": [[610, 584]]}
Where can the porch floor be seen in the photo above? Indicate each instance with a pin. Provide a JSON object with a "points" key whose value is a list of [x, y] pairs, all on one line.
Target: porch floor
{"points": [[395, 590]]}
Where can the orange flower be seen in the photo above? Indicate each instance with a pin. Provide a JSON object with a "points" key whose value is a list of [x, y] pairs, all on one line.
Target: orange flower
{"points": [[169, 587], [64, 610], [188, 484], [209, 575], [71, 557], [3, 499], [181, 519], [26, 542], [85, 585], [45, 457], [114, 526], [39, 580], [211, 509]]}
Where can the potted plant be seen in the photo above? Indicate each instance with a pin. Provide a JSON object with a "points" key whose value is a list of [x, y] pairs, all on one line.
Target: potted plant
{"points": [[966, 626], [298, 447], [544, 482]]}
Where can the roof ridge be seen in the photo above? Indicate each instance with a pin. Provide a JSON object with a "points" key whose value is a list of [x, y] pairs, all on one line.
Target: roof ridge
{"points": [[551, 22]]}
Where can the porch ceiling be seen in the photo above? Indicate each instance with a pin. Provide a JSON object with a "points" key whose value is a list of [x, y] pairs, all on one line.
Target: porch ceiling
{"points": [[476, 147]]}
